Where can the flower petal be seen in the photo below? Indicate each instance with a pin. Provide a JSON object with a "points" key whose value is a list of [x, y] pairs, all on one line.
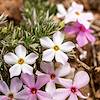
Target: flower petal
{"points": [[10, 58], [65, 82], [16, 84], [58, 37], [50, 88], [20, 51], [61, 57], [81, 39], [61, 94], [46, 42], [15, 70], [2, 97], [32, 97], [48, 55], [63, 70], [3, 87], [31, 58], [67, 46], [81, 95], [47, 67], [41, 81], [27, 69], [28, 80], [43, 95], [81, 79], [73, 97]]}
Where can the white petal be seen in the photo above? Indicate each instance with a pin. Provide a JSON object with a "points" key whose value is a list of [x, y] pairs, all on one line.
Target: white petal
{"points": [[20, 51], [48, 55], [67, 46], [10, 58], [61, 94], [65, 82], [50, 88], [46, 42], [63, 70], [39, 73], [31, 58], [27, 69], [59, 15], [15, 70], [81, 79], [61, 57], [58, 37], [81, 95], [73, 97], [61, 9]]}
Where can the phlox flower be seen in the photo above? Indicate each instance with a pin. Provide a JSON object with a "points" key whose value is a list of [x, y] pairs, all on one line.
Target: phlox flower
{"points": [[32, 87], [71, 90], [20, 61], [54, 76], [75, 13], [84, 35], [56, 49], [14, 92]]}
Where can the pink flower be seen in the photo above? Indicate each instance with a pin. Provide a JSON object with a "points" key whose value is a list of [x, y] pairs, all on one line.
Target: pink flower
{"points": [[71, 90], [12, 93], [33, 88], [83, 35], [54, 76]]}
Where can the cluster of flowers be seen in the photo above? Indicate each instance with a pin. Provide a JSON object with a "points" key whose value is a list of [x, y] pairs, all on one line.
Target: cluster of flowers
{"points": [[81, 22], [31, 85]]}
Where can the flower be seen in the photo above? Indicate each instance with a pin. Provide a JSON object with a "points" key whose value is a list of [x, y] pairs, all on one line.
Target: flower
{"points": [[56, 48], [20, 61], [33, 88], [71, 90], [75, 13], [12, 93], [54, 76], [83, 35]]}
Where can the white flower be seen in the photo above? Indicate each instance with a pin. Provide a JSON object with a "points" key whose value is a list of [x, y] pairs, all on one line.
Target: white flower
{"points": [[20, 61], [75, 13], [56, 48]]}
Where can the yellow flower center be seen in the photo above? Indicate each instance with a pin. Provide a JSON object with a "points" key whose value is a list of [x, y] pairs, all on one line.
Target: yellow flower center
{"points": [[56, 48], [20, 61], [77, 13]]}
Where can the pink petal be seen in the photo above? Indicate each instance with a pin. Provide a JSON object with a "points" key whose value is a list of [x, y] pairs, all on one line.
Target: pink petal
{"points": [[3, 97], [81, 79], [31, 58], [90, 37], [47, 67], [41, 81], [81, 39], [81, 95], [61, 94], [16, 84], [3, 87], [28, 80], [32, 97], [73, 97], [65, 82], [43, 95]]}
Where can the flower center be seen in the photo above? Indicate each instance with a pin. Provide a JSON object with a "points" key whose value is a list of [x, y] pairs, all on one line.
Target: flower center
{"points": [[10, 96], [77, 13], [33, 90], [53, 76], [73, 89], [20, 61], [56, 48]]}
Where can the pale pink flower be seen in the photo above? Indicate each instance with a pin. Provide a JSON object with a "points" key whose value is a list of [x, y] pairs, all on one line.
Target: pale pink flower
{"points": [[54, 76], [20, 61], [56, 48], [14, 92], [71, 90], [33, 87], [84, 35]]}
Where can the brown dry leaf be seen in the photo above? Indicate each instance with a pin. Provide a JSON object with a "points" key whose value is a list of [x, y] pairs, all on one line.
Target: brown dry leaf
{"points": [[97, 94], [11, 8]]}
